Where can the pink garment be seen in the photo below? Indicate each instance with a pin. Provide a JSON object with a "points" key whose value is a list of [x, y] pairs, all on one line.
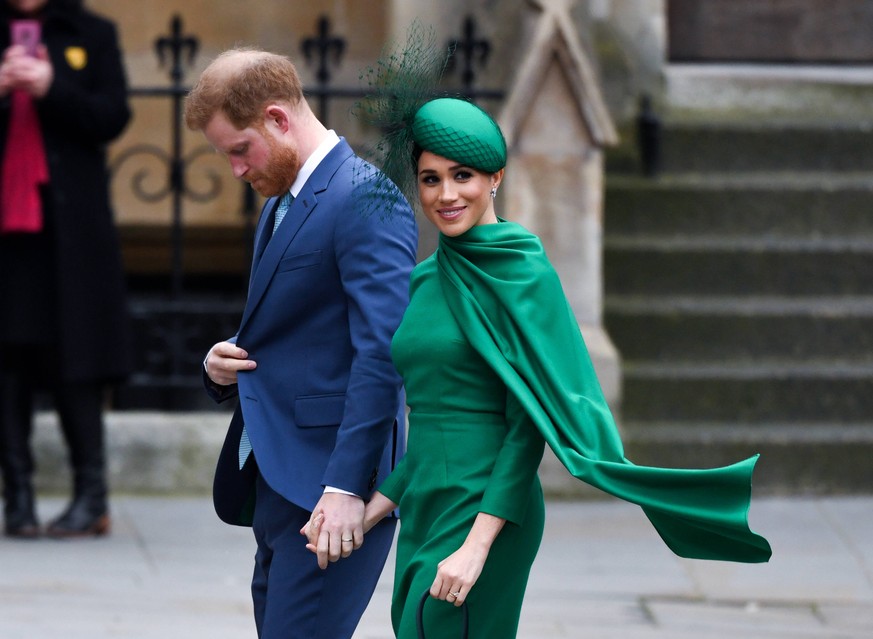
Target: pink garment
{"points": [[24, 169]]}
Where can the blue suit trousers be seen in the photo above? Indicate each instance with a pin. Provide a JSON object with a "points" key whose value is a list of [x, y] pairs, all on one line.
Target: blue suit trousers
{"points": [[303, 600]]}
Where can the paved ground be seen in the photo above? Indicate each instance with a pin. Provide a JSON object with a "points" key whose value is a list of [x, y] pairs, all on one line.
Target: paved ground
{"points": [[171, 570]]}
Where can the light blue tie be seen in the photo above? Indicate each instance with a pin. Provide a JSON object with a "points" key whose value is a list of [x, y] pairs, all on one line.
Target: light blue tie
{"points": [[282, 209], [245, 446]]}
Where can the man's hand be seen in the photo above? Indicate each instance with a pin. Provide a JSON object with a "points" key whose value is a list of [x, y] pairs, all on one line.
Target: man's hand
{"points": [[224, 361], [336, 527]]}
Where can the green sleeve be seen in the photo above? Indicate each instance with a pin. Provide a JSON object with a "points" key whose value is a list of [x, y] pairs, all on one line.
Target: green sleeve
{"points": [[516, 466], [395, 484]]}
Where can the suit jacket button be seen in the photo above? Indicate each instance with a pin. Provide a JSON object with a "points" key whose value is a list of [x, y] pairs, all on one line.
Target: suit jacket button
{"points": [[372, 483]]}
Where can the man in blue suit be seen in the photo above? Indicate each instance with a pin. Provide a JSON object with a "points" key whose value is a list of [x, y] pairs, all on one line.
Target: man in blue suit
{"points": [[320, 413]]}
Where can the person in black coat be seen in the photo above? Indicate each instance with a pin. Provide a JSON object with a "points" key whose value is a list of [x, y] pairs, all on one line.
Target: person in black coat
{"points": [[63, 315]]}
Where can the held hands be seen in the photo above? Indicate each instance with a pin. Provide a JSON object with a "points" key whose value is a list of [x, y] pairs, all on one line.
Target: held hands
{"points": [[224, 361], [336, 527], [34, 75], [315, 529]]}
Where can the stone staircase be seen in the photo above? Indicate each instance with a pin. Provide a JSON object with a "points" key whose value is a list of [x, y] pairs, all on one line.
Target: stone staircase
{"points": [[739, 292]]}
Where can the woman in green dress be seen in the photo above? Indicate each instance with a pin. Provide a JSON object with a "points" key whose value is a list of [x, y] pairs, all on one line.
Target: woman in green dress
{"points": [[494, 367]]}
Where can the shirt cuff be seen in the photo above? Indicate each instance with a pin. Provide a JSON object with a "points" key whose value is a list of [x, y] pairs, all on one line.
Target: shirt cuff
{"points": [[331, 489]]}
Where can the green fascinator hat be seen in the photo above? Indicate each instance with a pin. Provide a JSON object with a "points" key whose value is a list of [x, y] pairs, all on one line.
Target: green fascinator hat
{"points": [[401, 101], [461, 131]]}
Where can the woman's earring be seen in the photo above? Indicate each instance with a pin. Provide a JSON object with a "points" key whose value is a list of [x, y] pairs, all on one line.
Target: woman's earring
{"points": [[493, 192]]}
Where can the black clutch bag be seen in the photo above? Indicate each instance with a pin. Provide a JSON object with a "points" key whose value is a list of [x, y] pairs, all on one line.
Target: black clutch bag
{"points": [[419, 618]]}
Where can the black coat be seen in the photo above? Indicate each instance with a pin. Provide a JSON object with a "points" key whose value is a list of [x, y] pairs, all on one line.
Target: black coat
{"points": [[78, 253]]}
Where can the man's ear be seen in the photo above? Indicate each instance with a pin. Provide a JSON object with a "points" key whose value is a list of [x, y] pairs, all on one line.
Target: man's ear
{"points": [[276, 115]]}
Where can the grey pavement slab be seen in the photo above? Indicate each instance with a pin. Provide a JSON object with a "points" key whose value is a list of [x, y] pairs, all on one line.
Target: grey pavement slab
{"points": [[170, 570]]}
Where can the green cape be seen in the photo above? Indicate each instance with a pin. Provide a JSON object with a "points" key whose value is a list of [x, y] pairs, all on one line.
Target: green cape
{"points": [[509, 302]]}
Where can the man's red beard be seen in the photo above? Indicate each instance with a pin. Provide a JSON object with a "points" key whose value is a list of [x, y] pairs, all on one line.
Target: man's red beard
{"points": [[281, 171]]}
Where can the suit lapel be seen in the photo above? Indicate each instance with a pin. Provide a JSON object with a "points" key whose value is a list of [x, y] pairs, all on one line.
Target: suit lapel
{"points": [[274, 247], [263, 234], [270, 248]]}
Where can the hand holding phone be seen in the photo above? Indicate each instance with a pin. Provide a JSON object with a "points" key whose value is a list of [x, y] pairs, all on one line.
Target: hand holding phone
{"points": [[29, 69], [26, 33]]}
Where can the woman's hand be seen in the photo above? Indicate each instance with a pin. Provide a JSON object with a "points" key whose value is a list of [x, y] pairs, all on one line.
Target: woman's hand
{"points": [[34, 75], [458, 573]]}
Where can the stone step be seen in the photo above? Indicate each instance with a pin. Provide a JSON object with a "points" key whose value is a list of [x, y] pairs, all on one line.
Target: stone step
{"points": [[797, 457], [730, 277], [737, 266], [752, 205], [759, 92], [698, 329], [772, 146], [754, 392]]}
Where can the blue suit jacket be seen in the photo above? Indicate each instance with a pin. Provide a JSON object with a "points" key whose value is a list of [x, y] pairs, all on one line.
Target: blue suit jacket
{"points": [[327, 292]]}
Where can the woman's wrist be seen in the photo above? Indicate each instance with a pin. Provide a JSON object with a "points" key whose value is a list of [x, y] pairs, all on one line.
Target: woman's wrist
{"points": [[377, 509], [483, 533]]}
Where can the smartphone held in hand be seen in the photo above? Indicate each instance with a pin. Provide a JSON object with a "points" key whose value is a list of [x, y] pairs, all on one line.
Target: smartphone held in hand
{"points": [[26, 33]]}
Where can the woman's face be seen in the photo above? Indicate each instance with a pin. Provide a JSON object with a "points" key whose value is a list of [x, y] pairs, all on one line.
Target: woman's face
{"points": [[27, 7], [454, 197]]}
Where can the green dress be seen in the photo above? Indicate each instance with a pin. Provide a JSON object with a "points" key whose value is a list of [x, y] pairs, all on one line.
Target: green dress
{"points": [[470, 450], [494, 363]]}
